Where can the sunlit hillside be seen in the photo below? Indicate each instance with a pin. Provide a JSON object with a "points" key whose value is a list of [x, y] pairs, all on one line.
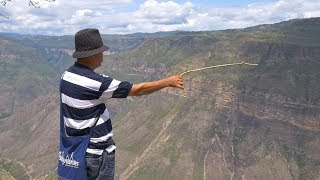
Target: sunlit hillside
{"points": [[239, 122]]}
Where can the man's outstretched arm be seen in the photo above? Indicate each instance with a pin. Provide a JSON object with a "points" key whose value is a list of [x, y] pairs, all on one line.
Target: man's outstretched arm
{"points": [[151, 87]]}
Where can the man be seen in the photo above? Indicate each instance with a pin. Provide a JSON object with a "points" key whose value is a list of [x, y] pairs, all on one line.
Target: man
{"points": [[82, 110]]}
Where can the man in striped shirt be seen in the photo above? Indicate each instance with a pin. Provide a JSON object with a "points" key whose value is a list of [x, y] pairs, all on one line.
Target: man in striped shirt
{"points": [[82, 107]]}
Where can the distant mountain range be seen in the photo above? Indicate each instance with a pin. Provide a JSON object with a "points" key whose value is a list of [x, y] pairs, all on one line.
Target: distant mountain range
{"points": [[237, 122]]}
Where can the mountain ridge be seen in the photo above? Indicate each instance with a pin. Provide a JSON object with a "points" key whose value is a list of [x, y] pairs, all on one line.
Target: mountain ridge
{"points": [[235, 122]]}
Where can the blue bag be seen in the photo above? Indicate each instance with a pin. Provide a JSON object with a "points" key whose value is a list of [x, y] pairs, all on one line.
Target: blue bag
{"points": [[72, 155]]}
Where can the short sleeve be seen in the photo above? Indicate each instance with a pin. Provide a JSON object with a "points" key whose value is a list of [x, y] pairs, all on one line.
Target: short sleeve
{"points": [[112, 88]]}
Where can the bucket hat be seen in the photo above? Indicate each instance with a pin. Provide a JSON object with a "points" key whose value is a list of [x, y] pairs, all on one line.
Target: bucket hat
{"points": [[88, 42]]}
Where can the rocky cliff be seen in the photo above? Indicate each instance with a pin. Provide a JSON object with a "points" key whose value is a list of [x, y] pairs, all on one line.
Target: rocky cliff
{"points": [[230, 123]]}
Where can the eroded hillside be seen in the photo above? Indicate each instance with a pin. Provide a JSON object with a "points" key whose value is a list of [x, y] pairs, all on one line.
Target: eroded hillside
{"points": [[230, 123]]}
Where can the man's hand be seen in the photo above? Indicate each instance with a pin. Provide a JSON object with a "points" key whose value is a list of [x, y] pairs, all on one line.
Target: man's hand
{"points": [[175, 81], [151, 87]]}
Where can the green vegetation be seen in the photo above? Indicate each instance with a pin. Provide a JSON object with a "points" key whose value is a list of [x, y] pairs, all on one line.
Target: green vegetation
{"points": [[239, 116], [12, 168], [4, 114]]}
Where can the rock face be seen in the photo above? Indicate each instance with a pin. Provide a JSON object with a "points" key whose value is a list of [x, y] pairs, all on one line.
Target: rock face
{"points": [[229, 123]]}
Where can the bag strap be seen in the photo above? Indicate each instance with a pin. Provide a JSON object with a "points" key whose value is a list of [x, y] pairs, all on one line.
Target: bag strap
{"points": [[94, 125]]}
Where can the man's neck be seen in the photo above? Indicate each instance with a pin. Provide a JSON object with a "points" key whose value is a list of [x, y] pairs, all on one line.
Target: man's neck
{"points": [[85, 63]]}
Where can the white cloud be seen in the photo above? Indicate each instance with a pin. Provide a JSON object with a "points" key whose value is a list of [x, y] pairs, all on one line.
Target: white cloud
{"points": [[254, 14], [163, 12], [84, 16], [67, 17]]}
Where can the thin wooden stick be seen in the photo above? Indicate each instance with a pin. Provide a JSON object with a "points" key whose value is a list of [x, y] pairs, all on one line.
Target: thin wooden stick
{"points": [[209, 67], [222, 65]]}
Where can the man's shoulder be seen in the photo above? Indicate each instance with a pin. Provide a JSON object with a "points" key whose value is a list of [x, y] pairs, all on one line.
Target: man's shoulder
{"points": [[87, 73]]}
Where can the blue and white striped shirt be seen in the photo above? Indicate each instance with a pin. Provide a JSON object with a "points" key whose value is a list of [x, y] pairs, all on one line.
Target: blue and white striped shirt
{"points": [[82, 91]]}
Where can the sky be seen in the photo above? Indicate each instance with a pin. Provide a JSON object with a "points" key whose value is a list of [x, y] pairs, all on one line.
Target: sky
{"points": [[66, 17]]}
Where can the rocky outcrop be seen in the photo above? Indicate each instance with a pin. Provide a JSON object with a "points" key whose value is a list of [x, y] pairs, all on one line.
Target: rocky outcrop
{"points": [[231, 123]]}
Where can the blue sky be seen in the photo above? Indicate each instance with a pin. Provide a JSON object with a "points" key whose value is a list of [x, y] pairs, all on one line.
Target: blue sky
{"points": [[129, 16]]}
